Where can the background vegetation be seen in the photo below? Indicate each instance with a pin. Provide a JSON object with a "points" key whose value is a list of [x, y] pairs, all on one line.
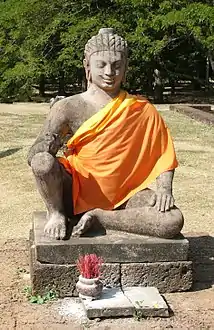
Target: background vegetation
{"points": [[42, 42]]}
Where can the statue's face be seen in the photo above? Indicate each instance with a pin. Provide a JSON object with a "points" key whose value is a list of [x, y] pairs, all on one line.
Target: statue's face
{"points": [[107, 69]]}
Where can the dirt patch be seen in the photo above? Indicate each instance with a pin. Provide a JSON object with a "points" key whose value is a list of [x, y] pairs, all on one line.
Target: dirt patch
{"points": [[17, 313]]}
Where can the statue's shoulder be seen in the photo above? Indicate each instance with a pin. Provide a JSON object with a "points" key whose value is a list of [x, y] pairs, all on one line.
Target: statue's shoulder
{"points": [[64, 103], [148, 108]]}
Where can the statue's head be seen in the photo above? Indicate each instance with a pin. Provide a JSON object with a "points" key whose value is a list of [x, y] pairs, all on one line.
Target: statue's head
{"points": [[106, 60]]}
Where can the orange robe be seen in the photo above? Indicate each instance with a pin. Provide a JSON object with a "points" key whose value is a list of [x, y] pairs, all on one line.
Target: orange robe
{"points": [[117, 152]]}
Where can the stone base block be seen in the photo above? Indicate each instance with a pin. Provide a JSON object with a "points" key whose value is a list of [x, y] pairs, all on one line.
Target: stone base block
{"points": [[63, 278], [114, 247], [130, 260], [166, 276]]}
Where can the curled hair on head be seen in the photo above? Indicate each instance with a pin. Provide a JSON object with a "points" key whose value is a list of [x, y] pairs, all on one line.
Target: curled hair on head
{"points": [[106, 39]]}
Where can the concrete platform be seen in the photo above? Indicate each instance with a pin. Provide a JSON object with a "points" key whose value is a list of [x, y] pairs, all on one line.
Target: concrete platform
{"points": [[142, 302]]}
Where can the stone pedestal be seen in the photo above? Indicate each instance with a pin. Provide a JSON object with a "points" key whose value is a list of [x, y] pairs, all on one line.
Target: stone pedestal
{"points": [[130, 260]]}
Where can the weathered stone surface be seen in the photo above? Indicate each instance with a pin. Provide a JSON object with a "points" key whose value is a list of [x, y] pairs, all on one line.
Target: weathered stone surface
{"points": [[63, 278], [166, 276], [113, 303], [205, 116], [147, 300], [113, 247], [203, 107], [45, 277], [110, 275]]}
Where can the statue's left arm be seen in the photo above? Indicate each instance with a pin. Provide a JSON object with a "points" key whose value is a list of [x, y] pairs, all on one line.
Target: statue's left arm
{"points": [[163, 198]]}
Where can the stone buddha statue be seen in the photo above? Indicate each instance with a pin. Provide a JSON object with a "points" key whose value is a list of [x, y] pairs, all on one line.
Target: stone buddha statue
{"points": [[115, 146]]}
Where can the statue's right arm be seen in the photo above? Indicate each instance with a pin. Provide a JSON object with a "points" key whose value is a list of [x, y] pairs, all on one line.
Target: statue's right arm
{"points": [[52, 135]]}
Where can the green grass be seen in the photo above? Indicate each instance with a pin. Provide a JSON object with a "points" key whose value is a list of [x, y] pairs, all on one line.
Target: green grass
{"points": [[194, 193], [39, 299]]}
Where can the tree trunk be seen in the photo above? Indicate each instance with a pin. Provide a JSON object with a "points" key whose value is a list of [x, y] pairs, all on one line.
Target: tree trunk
{"points": [[211, 59], [207, 73], [158, 87], [150, 82], [196, 85], [61, 90], [42, 85], [172, 85]]}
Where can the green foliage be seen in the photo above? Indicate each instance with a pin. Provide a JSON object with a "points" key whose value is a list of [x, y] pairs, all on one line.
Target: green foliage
{"points": [[43, 41], [38, 299]]}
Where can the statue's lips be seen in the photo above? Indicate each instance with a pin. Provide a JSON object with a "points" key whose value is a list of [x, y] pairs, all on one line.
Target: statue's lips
{"points": [[108, 81]]}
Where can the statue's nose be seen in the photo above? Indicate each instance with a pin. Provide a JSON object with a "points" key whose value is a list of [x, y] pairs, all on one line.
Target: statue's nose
{"points": [[109, 70]]}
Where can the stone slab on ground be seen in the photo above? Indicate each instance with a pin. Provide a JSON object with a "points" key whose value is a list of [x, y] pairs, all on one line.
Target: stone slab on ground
{"points": [[113, 247], [205, 115], [113, 303], [146, 302]]}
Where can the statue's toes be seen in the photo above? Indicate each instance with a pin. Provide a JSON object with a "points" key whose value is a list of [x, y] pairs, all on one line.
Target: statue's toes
{"points": [[47, 230], [55, 231], [83, 225], [58, 231], [50, 232], [77, 230], [61, 234]]}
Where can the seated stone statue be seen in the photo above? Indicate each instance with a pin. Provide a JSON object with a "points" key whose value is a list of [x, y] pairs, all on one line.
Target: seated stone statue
{"points": [[116, 145]]}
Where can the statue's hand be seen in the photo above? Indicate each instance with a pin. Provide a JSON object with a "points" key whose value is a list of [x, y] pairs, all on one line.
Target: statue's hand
{"points": [[164, 201]]}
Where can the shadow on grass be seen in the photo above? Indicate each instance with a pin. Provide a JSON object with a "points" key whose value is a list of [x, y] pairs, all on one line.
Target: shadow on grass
{"points": [[8, 152], [202, 254]]}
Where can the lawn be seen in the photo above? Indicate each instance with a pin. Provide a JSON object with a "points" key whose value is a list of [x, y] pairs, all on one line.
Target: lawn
{"points": [[193, 184]]}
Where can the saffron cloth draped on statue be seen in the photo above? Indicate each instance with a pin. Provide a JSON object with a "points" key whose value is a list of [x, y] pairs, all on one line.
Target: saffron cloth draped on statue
{"points": [[117, 152]]}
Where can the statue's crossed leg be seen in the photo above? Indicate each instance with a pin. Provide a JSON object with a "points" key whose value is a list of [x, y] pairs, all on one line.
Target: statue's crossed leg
{"points": [[134, 216]]}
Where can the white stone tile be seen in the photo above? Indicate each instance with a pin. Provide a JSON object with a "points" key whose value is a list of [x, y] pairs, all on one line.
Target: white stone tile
{"points": [[148, 300], [112, 303]]}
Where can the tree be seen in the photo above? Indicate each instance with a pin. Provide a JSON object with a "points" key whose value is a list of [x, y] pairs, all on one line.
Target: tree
{"points": [[43, 41]]}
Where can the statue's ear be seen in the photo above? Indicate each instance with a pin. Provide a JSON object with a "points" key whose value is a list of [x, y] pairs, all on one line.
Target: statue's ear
{"points": [[85, 64], [87, 68]]}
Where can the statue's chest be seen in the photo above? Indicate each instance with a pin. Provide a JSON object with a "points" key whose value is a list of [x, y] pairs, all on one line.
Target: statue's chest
{"points": [[80, 116]]}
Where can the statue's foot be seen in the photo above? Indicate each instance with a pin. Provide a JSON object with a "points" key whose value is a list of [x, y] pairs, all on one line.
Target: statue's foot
{"points": [[84, 224], [56, 226]]}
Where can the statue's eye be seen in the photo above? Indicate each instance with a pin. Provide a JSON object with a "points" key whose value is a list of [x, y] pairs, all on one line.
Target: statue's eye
{"points": [[117, 65], [100, 64]]}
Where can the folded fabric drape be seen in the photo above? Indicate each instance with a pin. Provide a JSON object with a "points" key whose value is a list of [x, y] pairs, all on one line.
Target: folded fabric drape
{"points": [[117, 152]]}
